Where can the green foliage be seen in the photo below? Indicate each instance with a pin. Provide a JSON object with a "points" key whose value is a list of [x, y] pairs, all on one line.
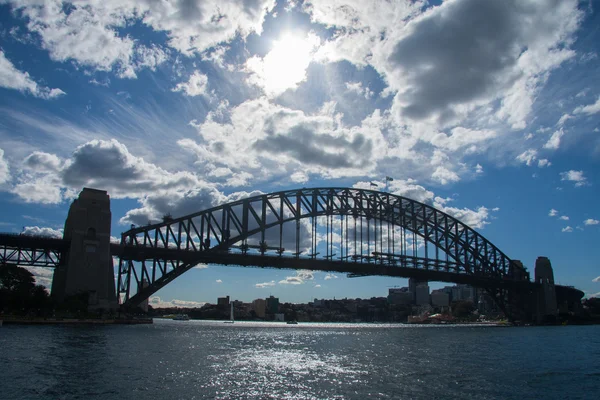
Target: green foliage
{"points": [[20, 295], [592, 305], [462, 309], [16, 279]]}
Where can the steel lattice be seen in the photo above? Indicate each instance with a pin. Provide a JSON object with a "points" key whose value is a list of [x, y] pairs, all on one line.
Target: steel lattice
{"points": [[333, 229]]}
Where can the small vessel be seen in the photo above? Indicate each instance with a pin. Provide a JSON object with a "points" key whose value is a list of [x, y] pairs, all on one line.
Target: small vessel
{"points": [[181, 317], [230, 315], [292, 322]]}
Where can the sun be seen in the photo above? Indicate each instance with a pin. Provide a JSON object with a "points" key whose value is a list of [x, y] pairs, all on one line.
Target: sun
{"points": [[284, 67]]}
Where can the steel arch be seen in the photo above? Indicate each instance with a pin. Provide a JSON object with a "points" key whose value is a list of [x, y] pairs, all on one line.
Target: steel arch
{"points": [[168, 249]]}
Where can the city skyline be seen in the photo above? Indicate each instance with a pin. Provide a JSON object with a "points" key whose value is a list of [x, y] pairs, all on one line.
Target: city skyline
{"points": [[172, 114]]}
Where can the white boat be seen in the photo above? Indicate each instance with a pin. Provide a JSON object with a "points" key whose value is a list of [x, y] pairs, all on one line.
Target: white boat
{"points": [[181, 317], [230, 315]]}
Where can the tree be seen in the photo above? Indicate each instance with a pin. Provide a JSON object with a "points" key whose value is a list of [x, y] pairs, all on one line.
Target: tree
{"points": [[16, 279], [20, 294], [592, 305], [462, 309]]}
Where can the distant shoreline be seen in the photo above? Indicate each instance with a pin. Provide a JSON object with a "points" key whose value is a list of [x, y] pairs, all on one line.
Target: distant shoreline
{"points": [[74, 321]]}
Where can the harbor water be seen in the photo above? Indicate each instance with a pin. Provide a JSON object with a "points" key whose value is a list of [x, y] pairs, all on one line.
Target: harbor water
{"points": [[245, 360]]}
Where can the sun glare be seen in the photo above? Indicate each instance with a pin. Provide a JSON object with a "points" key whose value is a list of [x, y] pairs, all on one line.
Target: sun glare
{"points": [[285, 65]]}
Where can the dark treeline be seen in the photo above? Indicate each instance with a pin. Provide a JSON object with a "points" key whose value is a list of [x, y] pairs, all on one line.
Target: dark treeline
{"points": [[19, 295]]}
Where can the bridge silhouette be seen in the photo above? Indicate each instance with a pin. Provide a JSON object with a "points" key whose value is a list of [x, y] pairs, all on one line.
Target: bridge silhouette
{"points": [[355, 231]]}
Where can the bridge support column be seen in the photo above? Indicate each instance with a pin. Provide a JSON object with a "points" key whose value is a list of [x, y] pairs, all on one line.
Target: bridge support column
{"points": [[88, 264], [546, 296]]}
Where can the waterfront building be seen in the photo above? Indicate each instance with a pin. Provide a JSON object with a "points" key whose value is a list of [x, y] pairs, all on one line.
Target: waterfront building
{"points": [[464, 293], [400, 296], [223, 303], [440, 298], [422, 294], [272, 305], [259, 306]]}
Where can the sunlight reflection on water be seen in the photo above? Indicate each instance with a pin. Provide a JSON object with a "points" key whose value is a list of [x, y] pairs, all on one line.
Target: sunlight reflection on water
{"points": [[212, 360]]}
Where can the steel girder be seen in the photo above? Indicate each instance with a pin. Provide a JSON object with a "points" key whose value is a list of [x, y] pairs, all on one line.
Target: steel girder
{"points": [[168, 249], [31, 251]]}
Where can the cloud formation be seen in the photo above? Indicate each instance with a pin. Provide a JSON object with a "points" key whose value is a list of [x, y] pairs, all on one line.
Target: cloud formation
{"points": [[12, 78], [574, 176], [197, 85], [264, 285], [89, 32]]}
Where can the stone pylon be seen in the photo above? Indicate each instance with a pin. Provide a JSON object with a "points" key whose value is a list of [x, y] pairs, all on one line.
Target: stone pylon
{"points": [[88, 265], [546, 296]]}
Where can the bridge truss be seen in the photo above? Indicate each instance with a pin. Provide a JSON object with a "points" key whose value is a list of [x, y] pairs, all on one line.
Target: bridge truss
{"points": [[361, 232], [31, 251]]}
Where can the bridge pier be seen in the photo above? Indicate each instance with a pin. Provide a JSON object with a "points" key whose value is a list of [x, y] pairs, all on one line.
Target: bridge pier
{"points": [[87, 266], [546, 305]]}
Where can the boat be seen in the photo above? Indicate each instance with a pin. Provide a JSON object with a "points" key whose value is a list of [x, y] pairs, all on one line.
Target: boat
{"points": [[293, 322], [230, 315], [181, 317]]}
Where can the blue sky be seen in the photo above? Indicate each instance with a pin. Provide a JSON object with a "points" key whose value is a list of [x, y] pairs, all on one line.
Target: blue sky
{"points": [[489, 111]]}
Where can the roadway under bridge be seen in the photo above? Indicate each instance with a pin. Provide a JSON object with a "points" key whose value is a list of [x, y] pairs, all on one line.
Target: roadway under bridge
{"points": [[354, 231]]}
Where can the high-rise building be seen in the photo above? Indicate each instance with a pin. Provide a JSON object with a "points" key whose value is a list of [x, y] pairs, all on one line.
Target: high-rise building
{"points": [[272, 305], [259, 306], [440, 298], [422, 294], [223, 303], [400, 296]]}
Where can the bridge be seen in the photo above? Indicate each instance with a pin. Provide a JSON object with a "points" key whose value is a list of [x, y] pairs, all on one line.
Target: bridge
{"points": [[355, 231]]}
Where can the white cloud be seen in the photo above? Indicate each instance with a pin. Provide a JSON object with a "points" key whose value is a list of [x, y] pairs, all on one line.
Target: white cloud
{"points": [[554, 142], [4, 170], [564, 218], [564, 119], [507, 50], [12, 78], [197, 85], [330, 276], [43, 276], [589, 109], [219, 281], [567, 229], [264, 139], [201, 266], [593, 295], [88, 31], [597, 279], [299, 177], [301, 277], [574, 176], [591, 221], [43, 231], [527, 157], [356, 87], [553, 213], [444, 176], [543, 162], [478, 169], [264, 284], [291, 280], [461, 137], [317, 286], [157, 302]]}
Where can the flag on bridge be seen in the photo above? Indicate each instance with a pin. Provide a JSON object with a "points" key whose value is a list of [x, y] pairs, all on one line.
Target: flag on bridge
{"points": [[387, 178], [373, 184]]}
